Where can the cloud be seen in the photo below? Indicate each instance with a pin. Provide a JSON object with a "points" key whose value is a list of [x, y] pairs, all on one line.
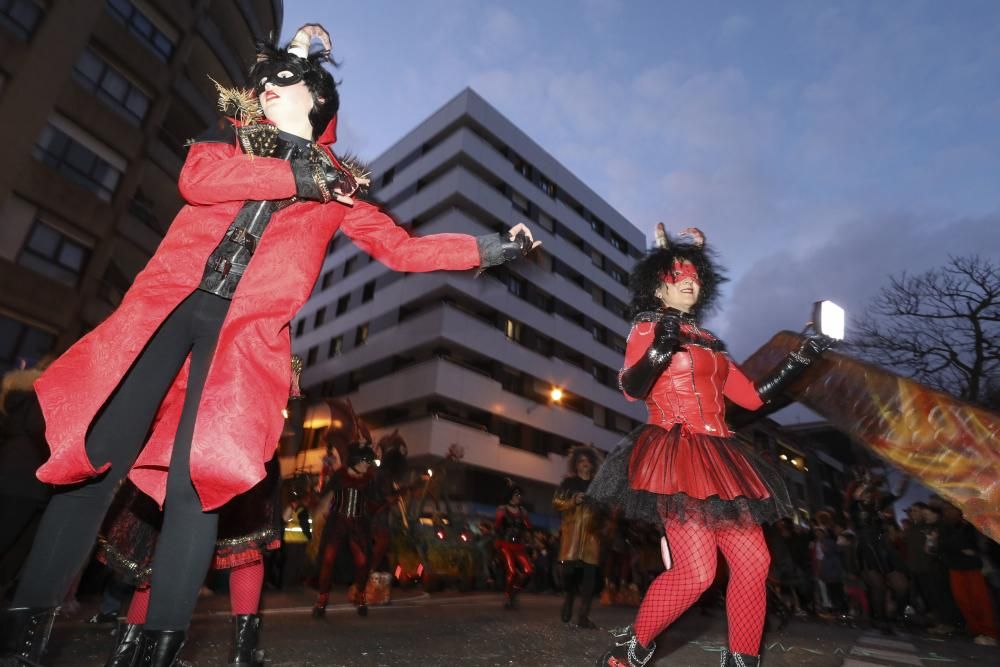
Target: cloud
{"points": [[850, 265]]}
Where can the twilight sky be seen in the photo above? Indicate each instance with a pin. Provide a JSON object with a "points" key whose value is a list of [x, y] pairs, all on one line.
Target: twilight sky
{"points": [[819, 146]]}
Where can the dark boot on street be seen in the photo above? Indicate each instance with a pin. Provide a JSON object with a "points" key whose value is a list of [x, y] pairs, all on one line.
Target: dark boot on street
{"points": [[566, 613], [583, 615], [362, 604], [319, 609], [628, 653], [126, 649], [24, 634], [246, 634], [740, 660], [160, 648]]}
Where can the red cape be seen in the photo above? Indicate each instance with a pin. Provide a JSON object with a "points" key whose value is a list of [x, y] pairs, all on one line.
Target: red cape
{"points": [[239, 416]]}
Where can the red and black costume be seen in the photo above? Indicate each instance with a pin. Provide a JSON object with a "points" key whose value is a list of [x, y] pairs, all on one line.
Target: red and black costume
{"points": [[206, 324], [349, 522], [512, 529], [684, 470]]}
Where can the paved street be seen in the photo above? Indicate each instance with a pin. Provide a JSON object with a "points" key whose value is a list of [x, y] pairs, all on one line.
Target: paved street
{"points": [[452, 629]]}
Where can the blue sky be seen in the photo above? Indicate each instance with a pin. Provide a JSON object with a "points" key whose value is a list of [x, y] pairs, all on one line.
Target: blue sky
{"points": [[821, 146]]}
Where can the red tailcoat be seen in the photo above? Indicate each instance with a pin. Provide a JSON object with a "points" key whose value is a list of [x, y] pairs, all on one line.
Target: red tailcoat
{"points": [[239, 417]]}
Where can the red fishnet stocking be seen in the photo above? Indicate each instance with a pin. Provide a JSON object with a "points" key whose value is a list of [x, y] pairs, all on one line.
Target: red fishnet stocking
{"points": [[693, 547], [746, 596], [138, 607], [245, 584]]}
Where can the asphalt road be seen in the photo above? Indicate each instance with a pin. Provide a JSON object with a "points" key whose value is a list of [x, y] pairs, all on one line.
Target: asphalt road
{"points": [[473, 629]]}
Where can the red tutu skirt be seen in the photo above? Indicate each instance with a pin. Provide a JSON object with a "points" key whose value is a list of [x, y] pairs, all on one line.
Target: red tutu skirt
{"points": [[656, 475], [697, 465]]}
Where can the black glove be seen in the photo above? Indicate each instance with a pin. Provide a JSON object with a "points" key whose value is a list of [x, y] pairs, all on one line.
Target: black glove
{"points": [[793, 365], [321, 182], [638, 380], [496, 249]]}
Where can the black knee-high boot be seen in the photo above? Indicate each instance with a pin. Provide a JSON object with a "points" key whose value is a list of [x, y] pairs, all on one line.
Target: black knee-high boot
{"points": [[246, 634], [24, 634], [126, 650]]}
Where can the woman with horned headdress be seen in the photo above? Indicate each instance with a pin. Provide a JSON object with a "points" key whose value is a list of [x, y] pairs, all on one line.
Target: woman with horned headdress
{"points": [[683, 470], [208, 320]]}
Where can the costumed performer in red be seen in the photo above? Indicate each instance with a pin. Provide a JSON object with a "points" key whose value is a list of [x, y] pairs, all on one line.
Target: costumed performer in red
{"points": [[210, 312], [513, 529], [683, 469]]}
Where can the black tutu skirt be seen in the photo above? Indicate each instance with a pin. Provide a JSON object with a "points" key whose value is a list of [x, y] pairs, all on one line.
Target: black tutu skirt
{"points": [[249, 525], [656, 475]]}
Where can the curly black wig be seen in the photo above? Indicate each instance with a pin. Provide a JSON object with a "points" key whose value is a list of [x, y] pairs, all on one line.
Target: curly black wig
{"points": [[582, 452], [647, 276], [271, 59]]}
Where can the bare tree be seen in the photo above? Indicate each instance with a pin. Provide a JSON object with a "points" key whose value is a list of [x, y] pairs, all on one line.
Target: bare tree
{"points": [[941, 327]]}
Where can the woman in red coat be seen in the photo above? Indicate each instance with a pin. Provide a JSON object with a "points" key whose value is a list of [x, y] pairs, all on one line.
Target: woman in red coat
{"points": [[683, 470], [208, 320]]}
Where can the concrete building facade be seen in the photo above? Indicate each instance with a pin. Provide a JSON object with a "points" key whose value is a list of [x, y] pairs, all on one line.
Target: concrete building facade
{"points": [[97, 100], [454, 359]]}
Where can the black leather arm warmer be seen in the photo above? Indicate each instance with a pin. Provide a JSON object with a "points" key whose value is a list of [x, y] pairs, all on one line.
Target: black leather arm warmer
{"points": [[638, 380], [792, 366], [321, 182], [496, 249]]}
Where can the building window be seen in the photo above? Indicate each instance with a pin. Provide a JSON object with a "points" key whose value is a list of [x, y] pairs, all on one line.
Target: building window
{"points": [[361, 335], [20, 17], [547, 186], [334, 244], [342, 304], [387, 177], [618, 242], [618, 275], [519, 203], [19, 341], [96, 75], [597, 225], [320, 316], [311, 356], [512, 329], [349, 265], [368, 292], [78, 162], [300, 328], [327, 280], [515, 286], [142, 27], [53, 254], [336, 346]]}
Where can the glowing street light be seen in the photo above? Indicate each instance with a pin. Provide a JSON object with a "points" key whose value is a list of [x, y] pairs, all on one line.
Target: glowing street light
{"points": [[556, 394]]}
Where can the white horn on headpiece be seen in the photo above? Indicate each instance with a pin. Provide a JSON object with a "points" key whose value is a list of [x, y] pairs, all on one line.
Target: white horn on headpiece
{"points": [[304, 38], [697, 236], [661, 236]]}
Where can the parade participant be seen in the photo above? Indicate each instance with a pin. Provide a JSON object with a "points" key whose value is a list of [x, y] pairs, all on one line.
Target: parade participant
{"points": [[349, 521], [249, 526], [512, 528], [683, 469], [209, 316], [388, 492], [579, 539]]}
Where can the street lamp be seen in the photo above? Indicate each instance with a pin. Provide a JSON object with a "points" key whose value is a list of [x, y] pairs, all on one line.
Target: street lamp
{"points": [[555, 396]]}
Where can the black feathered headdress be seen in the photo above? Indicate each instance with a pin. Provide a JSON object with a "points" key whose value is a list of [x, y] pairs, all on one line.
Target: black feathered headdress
{"points": [[649, 272], [306, 66]]}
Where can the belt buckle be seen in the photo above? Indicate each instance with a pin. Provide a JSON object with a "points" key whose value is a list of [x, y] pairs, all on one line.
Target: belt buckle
{"points": [[223, 266]]}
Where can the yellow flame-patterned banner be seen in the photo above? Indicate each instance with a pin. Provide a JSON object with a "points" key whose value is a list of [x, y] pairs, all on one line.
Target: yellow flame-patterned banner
{"points": [[950, 446]]}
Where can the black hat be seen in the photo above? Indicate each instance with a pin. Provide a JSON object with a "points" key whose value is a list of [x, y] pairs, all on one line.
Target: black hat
{"points": [[359, 452]]}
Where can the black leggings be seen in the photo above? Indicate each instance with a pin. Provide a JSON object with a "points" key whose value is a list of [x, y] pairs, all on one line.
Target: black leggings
{"points": [[70, 524]]}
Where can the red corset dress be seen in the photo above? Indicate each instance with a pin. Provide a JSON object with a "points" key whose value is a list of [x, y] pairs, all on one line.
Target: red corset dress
{"points": [[684, 461]]}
